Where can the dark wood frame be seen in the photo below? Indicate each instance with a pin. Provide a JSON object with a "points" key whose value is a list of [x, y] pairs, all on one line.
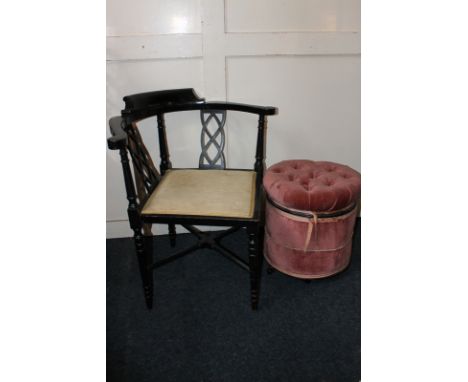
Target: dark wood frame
{"points": [[145, 179]]}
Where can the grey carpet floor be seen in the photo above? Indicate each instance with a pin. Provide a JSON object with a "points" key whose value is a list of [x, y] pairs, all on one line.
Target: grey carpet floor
{"points": [[202, 328]]}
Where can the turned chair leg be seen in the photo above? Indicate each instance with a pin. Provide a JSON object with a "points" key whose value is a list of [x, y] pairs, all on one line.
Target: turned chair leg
{"points": [[254, 265], [144, 250], [172, 235]]}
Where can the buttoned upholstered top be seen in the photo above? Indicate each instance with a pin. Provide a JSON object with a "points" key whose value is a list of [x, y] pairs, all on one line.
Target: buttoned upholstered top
{"points": [[312, 185]]}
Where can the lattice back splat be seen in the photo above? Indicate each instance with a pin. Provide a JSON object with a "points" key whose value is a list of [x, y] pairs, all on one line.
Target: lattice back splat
{"points": [[212, 139], [146, 174]]}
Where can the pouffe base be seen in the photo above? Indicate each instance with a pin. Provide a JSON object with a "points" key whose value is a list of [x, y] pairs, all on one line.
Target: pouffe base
{"points": [[327, 252], [306, 276]]}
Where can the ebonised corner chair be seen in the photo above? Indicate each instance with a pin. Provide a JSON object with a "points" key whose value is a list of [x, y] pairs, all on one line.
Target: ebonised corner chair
{"points": [[155, 197]]}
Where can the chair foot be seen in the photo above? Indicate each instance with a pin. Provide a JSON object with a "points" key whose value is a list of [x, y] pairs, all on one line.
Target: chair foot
{"points": [[172, 235], [255, 264], [148, 297], [144, 250]]}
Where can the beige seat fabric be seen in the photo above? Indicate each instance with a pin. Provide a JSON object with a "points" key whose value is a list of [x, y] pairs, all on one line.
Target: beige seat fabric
{"points": [[204, 193]]}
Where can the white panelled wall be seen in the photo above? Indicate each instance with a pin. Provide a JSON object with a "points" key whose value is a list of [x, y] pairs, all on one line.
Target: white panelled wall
{"points": [[301, 56]]}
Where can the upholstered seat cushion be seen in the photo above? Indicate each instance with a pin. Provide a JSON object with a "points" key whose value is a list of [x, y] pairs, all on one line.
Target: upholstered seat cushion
{"points": [[229, 193], [312, 186]]}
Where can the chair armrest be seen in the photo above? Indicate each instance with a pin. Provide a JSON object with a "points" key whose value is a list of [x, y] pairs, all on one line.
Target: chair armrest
{"points": [[171, 107], [246, 108], [118, 140]]}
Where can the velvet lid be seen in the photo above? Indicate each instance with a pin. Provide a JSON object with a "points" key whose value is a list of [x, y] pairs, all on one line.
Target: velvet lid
{"points": [[312, 186]]}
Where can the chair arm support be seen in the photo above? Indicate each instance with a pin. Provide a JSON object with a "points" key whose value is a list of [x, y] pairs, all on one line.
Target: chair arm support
{"points": [[119, 139]]}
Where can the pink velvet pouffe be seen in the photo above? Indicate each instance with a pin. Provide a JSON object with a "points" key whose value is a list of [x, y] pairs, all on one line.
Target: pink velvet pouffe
{"points": [[310, 215]]}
